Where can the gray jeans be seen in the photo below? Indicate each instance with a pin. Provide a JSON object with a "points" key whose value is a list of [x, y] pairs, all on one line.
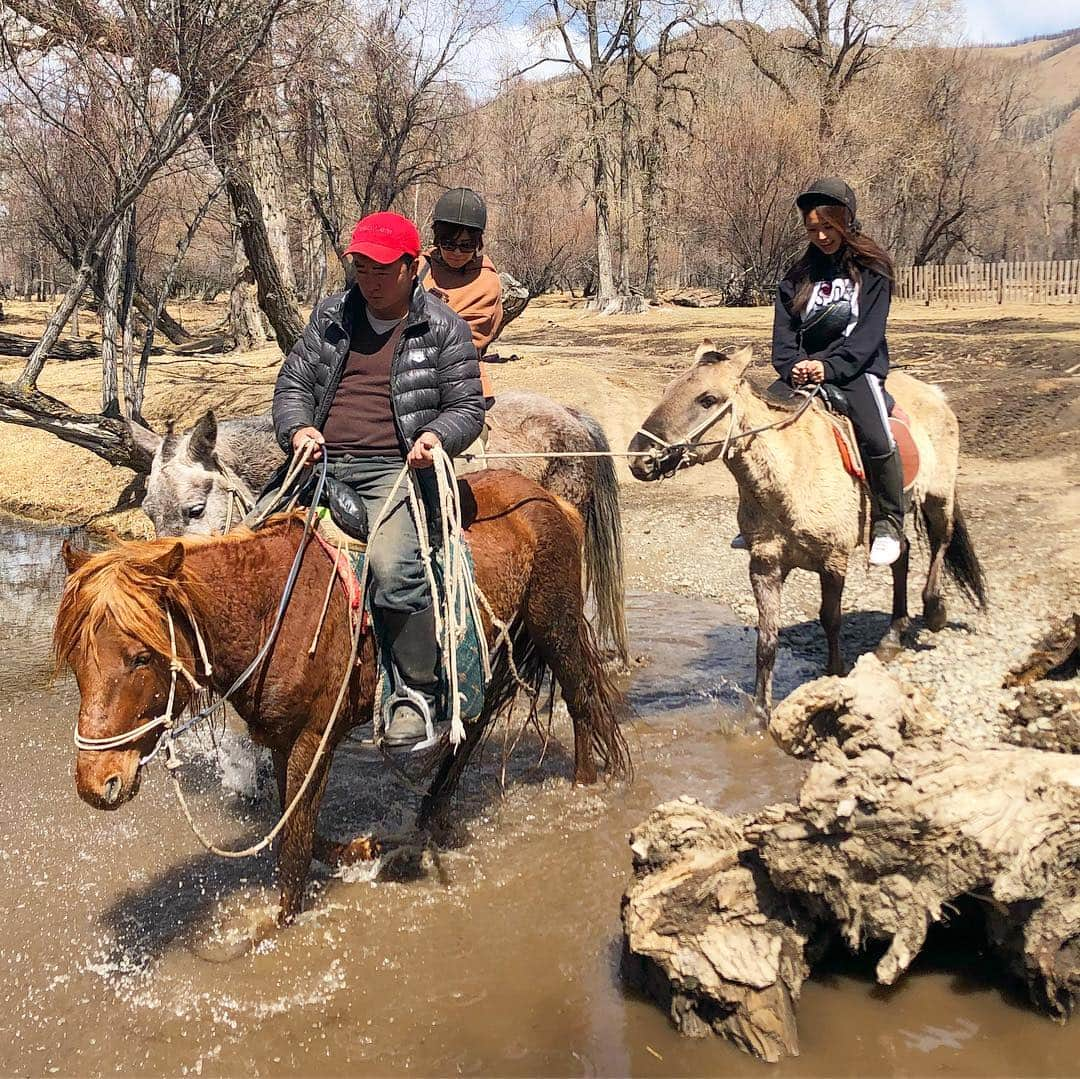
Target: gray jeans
{"points": [[393, 556]]}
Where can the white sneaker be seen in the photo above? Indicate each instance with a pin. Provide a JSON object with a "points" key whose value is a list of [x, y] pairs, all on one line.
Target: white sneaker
{"points": [[739, 543], [884, 551]]}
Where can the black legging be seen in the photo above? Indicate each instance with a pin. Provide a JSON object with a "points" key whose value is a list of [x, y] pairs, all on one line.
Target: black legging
{"points": [[868, 407]]}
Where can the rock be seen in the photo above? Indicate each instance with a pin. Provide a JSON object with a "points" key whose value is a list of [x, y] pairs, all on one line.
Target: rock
{"points": [[895, 823]]}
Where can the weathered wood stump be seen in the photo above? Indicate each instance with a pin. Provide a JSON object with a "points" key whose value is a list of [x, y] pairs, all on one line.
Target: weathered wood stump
{"points": [[895, 822], [1045, 710]]}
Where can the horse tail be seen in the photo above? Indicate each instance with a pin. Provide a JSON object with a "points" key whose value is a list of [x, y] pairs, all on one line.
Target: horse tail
{"points": [[606, 707], [525, 673], [962, 563], [604, 572]]}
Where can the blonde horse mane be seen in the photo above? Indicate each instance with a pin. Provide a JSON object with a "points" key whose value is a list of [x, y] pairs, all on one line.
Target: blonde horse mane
{"points": [[130, 586]]}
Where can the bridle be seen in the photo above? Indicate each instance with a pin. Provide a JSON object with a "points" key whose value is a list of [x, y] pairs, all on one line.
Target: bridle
{"points": [[688, 445], [170, 730], [165, 720]]}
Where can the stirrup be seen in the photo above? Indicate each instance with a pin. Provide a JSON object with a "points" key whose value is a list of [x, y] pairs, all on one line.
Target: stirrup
{"points": [[405, 694]]}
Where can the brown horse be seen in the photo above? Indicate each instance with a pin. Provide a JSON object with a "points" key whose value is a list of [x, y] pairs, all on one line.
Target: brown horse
{"points": [[112, 629], [798, 506]]}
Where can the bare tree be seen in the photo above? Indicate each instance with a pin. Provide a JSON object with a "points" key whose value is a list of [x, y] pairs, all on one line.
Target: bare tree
{"points": [[825, 46], [199, 54]]}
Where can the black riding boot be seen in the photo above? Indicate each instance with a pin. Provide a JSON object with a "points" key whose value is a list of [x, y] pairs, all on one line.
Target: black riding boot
{"points": [[886, 476], [416, 656]]}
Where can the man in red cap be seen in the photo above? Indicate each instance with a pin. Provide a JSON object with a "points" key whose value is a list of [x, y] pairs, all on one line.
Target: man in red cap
{"points": [[383, 374]]}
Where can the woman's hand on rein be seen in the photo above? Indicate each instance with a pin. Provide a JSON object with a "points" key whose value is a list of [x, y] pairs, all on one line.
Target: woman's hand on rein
{"points": [[808, 371]]}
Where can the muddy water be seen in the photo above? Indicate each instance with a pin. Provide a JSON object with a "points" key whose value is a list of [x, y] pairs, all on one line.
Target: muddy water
{"points": [[125, 948]]}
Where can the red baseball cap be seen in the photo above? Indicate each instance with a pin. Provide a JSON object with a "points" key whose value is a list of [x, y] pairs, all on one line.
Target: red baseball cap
{"points": [[384, 237]]}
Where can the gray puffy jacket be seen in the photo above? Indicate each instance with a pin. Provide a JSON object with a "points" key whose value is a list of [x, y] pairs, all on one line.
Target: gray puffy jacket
{"points": [[434, 376]]}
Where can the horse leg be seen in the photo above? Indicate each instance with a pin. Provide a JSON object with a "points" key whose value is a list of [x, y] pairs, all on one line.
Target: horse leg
{"points": [[893, 641], [435, 805], [767, 580], [298, 835], [832, 591], [555, 622], [938, 517]]}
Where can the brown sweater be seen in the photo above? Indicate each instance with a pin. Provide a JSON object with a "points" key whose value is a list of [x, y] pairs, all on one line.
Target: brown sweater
{"points": [[475, 293], [361, 419]]}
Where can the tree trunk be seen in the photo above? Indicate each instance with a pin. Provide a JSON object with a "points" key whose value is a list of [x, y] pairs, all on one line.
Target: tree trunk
{"points": [[245, 318], [897, 827], [127, 313], [107, 436], [110, 397], [27, 380], [266, 166]]}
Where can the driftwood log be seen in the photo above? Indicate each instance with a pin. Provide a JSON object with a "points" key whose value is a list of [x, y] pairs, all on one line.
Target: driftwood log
{"points": [[895, 823], [1044, 712]]}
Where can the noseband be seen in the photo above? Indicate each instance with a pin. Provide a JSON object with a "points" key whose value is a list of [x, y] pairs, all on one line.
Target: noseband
{"points": [[688, 445], [165, 720]]}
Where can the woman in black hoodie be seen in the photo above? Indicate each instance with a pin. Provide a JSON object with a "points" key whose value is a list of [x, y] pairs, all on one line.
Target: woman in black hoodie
{"points": [[829, 326]]}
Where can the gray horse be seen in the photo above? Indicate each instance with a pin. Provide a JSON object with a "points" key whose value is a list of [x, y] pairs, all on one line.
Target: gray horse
{"points": [[205, 478]]}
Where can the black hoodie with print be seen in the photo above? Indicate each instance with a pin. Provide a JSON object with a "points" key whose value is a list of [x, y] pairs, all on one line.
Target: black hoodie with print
{"points": [[860, 350]]}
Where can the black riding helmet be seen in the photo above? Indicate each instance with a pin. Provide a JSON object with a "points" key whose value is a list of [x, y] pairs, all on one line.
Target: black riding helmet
{"points": [[830, 190], [461, 206]]}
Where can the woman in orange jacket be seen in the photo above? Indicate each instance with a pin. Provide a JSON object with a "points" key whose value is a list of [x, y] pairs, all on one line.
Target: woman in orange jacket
{"points": [[459, 273]]}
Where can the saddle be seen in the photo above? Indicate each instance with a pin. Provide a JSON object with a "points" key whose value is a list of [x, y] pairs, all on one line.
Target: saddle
{"points": [[833, 405]]}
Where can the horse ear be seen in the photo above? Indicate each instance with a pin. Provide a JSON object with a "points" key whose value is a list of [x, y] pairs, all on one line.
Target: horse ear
{"points": [[168, 564], [203, 439], [742, 357], [146, 440], [706, 346], [74, 557]]}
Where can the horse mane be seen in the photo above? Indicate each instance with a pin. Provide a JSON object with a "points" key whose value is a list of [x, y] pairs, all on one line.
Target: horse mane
{"points": [[127, 585]]}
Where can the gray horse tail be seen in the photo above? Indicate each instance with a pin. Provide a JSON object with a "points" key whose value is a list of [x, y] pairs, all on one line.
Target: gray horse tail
{"points": [[603, 545]]}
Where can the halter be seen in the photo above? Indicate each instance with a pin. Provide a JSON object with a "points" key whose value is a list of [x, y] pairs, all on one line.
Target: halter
{"points": [[688, 444], [165, 720], [170, 730]]}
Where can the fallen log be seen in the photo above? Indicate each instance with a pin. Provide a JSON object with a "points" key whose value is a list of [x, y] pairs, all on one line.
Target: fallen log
{"points": [[895, 824], [13, 344]]}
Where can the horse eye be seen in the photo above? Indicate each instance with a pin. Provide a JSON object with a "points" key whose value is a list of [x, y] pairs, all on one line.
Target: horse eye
{"points": [[706, 400], [196, 511], [141, 660]]}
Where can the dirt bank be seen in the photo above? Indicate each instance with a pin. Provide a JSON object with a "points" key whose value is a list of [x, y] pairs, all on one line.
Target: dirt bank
{"points": [[1005, 370]]}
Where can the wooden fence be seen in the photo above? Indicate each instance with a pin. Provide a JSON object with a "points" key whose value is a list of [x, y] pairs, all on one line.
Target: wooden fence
{"points": [[991, 282]]}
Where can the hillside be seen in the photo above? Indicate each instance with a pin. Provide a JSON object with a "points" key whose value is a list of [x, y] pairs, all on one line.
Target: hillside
{"points": [[1053, 64]]}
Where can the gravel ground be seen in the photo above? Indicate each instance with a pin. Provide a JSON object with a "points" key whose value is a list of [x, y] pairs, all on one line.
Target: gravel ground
{"points": [[678, 537]]}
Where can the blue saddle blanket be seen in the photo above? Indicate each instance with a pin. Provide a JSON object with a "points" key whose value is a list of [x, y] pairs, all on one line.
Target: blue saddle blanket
{"points": [[472, 686]]}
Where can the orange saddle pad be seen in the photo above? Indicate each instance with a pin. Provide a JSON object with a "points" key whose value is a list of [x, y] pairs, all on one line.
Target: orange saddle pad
{"points": [[901, 430]]}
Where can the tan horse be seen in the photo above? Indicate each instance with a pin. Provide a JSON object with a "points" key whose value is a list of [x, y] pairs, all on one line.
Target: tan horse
{"points": [[798, 506]]}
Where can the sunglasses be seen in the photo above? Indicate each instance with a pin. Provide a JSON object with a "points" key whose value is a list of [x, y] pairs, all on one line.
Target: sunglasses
{"points": [[465, 245]]}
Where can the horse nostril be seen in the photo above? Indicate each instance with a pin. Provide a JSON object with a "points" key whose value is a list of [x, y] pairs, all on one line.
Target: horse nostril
{"points": [[111, 790]]}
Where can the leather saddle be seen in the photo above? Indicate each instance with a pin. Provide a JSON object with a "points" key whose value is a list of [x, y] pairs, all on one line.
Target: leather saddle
{"points": [[345, 508], [780, 395]]}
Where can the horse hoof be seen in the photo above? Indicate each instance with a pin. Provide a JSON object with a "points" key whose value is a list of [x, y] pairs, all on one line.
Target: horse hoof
{"points": [[235, 937], [889, 648], [934, 615]]}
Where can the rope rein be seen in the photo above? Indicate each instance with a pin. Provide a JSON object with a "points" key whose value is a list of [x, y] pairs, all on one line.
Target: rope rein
{"points": [[460, 601]]}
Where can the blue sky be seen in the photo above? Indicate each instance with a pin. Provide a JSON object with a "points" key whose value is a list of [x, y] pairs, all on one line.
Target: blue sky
{"points": [[1006, 20]]}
